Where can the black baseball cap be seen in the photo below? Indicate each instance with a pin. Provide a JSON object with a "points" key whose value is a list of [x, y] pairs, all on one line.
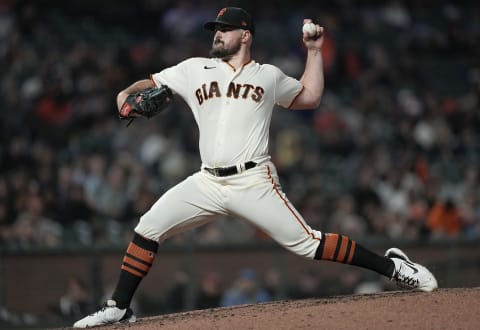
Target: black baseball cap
{"points": [[232, 16]]}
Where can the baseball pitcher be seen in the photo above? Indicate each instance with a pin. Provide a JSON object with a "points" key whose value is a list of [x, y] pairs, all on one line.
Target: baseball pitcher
{"points": [[232, 98]]}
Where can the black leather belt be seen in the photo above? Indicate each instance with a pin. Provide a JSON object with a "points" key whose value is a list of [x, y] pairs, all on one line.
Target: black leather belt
{"points": [[231, 170]]}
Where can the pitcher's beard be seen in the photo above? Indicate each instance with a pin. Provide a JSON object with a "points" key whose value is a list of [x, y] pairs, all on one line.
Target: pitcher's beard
{"points": [[224, 53]]}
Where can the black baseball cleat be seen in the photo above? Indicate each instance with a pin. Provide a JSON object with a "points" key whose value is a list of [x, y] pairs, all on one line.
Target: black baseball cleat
{"points": [[408, 274], [108, 314]]}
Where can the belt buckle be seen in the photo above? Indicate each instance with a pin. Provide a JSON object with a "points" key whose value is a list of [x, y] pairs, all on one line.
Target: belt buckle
{"points": [[216, 171]]}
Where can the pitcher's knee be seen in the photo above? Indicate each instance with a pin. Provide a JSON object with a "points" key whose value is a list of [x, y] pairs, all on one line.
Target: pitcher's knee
{"points": [[146, 229], [305, 248]]}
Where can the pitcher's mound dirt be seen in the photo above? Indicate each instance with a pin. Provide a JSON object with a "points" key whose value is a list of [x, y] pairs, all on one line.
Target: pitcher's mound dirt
{"points": [[443, 309]]}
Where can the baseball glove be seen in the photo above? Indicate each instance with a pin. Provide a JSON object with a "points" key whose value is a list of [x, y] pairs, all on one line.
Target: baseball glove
{"points": [[147, 103]]}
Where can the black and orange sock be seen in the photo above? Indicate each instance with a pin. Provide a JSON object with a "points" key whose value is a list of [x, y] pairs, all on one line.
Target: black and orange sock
{"points": [[340, 248], [136, 263]]}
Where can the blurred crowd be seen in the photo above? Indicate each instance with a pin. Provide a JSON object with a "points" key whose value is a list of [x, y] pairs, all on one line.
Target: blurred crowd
{"points": [[393, 151], [211, 290]]}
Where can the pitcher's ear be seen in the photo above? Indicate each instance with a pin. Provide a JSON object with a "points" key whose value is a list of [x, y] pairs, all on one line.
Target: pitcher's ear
{"points": [[246, 34]]}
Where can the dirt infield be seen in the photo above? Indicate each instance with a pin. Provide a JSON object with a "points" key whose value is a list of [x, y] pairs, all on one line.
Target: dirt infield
{"points": [[443, 309]]}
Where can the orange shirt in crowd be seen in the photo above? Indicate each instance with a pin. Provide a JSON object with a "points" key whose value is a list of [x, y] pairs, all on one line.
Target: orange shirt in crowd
{"points": [[444, 217]]}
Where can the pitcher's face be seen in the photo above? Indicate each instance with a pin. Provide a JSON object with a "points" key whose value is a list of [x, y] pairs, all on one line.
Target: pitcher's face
{"points": [[226, 42]]}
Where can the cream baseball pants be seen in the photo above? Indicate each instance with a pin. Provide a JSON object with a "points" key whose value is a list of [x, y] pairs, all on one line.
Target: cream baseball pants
{"points": [[253, 195]]}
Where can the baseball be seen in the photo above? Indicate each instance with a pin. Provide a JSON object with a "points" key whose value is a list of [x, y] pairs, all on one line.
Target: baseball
{"points": [[310, 29]]}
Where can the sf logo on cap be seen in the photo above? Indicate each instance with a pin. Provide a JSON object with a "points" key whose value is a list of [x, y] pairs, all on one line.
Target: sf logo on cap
{"points": [[221, 12]]}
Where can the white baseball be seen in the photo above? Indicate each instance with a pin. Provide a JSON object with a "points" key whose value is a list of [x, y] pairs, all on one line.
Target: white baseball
{"points": [[310, 29]]}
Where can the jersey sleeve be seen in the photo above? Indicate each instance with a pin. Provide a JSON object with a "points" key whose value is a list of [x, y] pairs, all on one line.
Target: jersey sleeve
{"points": [[286, 89], [174, 77]]}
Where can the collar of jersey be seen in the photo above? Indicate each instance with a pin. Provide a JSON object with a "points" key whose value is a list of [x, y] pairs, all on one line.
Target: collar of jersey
{"points": [[232, 67]]}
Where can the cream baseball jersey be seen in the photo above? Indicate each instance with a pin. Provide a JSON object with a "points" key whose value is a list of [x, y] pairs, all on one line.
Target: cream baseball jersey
{"points": [[232, 108]]}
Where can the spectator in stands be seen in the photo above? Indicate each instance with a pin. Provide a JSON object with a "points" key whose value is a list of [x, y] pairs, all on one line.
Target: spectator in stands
{"points": [[210, 291], [5, 212], [5, 231], [74, 302], [272, 282], [246, 289], [345, 220], [306, 285], [175, 298], [444, 219], [32, 228]]}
